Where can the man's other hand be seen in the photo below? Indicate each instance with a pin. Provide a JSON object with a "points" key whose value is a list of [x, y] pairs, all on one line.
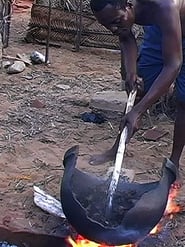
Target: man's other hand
{"points": [[134, 83], [131, 120]]}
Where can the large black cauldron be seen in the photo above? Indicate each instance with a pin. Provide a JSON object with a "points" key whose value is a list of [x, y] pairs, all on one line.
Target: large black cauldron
{"points": [[143, 205]]}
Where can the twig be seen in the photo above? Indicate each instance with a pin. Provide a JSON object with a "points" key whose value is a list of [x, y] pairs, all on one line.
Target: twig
{"points": [[109, 123]]}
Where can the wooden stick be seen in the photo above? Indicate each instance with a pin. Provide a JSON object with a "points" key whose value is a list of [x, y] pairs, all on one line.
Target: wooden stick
{"points": [[15, 58], [119, 156], [48, 203], [11, 58]]}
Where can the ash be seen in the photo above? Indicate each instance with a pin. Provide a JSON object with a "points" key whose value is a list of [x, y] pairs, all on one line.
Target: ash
{"points": [[6, 244]]}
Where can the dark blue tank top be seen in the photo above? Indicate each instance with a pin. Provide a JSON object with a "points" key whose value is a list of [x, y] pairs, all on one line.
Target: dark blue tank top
{"points": [[150, 49]]}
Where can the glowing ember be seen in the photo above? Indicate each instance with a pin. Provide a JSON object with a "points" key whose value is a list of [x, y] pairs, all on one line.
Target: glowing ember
{"points": [[171, 209], [156, 229]]}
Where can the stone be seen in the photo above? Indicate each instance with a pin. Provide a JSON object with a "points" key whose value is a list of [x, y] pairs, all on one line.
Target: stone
{"points": [[111, 103], [16, 67], [62, 86], [37, 104], [154, 134], [6, 64], [37, 57]]}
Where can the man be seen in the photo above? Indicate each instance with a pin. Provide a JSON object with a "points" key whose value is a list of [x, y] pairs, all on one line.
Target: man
{"points": [[161, 59]]}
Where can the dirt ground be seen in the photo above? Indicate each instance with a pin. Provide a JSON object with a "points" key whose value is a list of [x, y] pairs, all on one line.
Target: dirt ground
{"points": [[33, 140]]}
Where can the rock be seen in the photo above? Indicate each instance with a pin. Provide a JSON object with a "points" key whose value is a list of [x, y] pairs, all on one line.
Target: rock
{"points": [[6, 63], [111, 103], [16, 67], [24, 58], [62, 86], [27, 77], [37, 104], [154, 134], [37, 57]]}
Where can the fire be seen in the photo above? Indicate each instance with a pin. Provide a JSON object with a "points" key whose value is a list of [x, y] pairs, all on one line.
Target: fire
{"points": [[156, 229], [171, 209], [82, 242]]}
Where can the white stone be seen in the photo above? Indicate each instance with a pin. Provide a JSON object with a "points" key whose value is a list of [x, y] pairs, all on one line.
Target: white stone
{"points": [[6, 63], [114, 101], [16, 67], [37, 57], [62, 86]]}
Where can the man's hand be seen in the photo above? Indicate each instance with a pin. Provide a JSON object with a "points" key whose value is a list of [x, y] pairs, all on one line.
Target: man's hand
{"points": [[131, 120], [135, 82]]}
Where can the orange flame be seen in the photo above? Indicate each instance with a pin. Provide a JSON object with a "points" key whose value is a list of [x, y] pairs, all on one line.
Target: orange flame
{"points": [[172, 206], [171, 209], [82, 242]]}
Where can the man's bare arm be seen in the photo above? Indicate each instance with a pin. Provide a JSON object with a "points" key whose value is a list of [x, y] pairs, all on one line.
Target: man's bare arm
{"points": [[128, 48]]}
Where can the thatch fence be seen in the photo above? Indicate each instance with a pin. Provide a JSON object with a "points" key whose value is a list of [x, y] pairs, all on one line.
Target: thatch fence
{"points": [[71, 21]]}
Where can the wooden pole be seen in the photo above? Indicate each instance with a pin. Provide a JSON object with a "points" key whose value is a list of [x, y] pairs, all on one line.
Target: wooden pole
{"points": [[5, 18], [48, 33], [79, 26], [6, 22]]}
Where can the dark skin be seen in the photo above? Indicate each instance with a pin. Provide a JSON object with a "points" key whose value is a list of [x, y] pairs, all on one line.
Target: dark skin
{"points": [[169, 16]]}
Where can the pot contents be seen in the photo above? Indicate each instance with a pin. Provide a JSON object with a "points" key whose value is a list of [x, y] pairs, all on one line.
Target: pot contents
{"points": [[96, 201]]}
